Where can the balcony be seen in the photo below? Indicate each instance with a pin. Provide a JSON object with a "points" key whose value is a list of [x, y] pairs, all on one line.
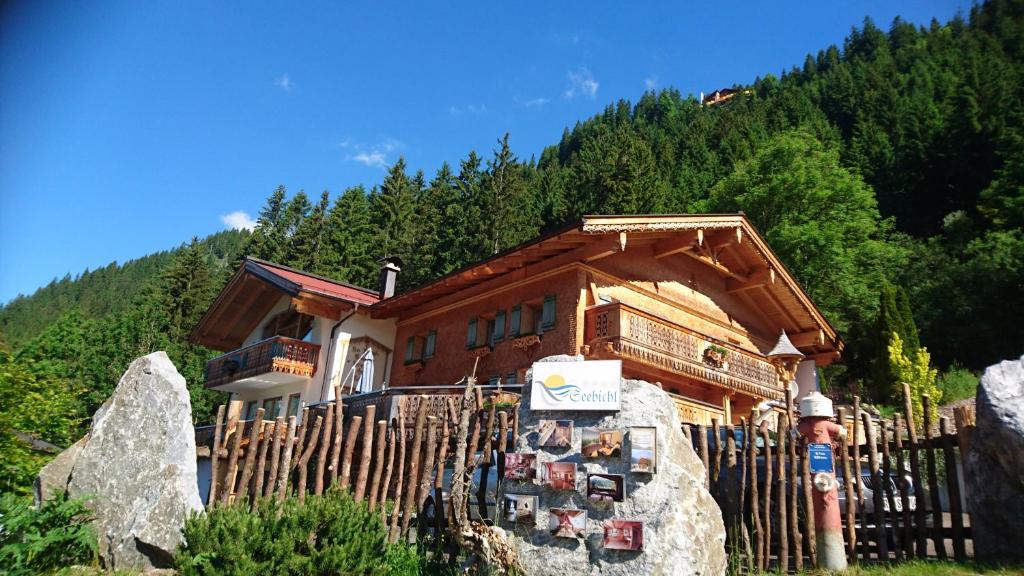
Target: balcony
{"points": [[276, 360], [618, 330]]}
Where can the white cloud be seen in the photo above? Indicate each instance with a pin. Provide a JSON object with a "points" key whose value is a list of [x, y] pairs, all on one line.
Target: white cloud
{"points": [[535, 102], [373, 159], [581, 83], [470, 109], [284, 83], [651, 82], [238, 220]]}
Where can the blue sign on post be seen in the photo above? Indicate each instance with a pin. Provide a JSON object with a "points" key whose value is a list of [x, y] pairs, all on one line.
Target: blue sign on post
{"points": [[820, 458]]}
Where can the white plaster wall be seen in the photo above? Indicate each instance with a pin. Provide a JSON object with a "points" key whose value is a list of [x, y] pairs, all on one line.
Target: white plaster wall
{"points": [[806, 379], [357, 326]]}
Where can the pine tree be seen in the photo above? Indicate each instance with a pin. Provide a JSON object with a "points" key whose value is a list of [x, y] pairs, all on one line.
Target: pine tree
{"points": [[305, 246], [394, 208], [506, 207], [268, 237], [349, 252]]}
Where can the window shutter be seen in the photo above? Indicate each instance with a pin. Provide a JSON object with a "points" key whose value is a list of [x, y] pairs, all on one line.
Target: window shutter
{"points": [[428, 348], [471, 333], [499, 325], [410, 348], [548, 314], [514, 319]]}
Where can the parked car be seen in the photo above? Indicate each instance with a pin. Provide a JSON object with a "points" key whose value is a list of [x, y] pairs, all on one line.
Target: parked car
{"points": [[895, 482]]}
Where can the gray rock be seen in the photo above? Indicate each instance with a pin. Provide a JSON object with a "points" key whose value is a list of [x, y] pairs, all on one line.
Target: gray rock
{"points": [[54, 476], [995, 464], [137, 466], [683, 529]]}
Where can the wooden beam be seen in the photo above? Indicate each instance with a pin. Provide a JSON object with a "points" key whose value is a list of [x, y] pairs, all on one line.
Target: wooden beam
{"points": [[313, 306], [673, 245], [756, 279], [717, 266], [808, 338]]}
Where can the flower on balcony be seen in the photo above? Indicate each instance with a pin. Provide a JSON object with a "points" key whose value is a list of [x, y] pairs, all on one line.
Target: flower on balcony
{"points": [[714, 356]]}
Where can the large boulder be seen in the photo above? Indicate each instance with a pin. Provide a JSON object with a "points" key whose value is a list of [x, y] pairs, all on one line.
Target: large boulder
{"points": [[137, 466], [683, 529], [995, 464]]}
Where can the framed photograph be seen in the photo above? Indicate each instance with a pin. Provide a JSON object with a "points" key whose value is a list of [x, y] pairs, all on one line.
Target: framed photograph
{"points": [[567, 522], [623, 535], [520, 467], [643, 449], [605, 487], [559, 475], [555, 433], [598, 443], [519, 508]]}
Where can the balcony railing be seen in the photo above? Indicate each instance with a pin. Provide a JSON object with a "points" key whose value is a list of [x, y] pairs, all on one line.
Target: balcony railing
{"points": [[622, 331], [276, 354]]}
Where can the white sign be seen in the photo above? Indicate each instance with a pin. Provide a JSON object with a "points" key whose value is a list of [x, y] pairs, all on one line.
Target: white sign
{"points": [[591, 385]]}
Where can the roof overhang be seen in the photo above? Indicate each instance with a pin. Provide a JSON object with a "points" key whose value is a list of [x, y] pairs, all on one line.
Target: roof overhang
{"points": [[257, 287], [726, 243]]}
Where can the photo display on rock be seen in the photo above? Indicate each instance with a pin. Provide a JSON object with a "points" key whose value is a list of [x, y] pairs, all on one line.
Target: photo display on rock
{"points": [[519, 508], [555, 433], [521, 467], [623, 535], [559, 475], [598, 443], [643, 449], [605, 487], [567, 522]]}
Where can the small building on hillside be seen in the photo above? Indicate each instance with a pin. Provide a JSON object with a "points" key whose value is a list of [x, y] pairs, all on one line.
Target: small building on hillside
{"points": [[693, 302]]}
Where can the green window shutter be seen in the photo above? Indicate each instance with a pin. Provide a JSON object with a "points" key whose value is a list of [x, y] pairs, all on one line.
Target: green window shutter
{"points": [[511, 378], [499, 325], [471, 333], [548, 314], [410, 348], [514, 319], [428, 347]]}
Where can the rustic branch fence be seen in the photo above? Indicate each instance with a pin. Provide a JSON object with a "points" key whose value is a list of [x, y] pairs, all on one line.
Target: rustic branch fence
{"points": [[900, 487]]}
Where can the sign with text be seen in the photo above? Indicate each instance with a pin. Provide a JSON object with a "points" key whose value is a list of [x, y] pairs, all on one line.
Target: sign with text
{"points": [[588, 385], [820, 458]]}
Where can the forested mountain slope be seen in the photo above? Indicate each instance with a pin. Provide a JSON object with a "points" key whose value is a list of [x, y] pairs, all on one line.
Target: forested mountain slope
{"points": [[887, 170]]}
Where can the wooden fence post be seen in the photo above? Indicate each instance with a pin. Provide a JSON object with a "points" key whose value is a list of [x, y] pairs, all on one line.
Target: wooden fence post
{"points": [[286, 457], [920, 531], [236, 427], [890, 498], [716, 466], [351, 437], [767, 492], [414, 465], [339, 421], [378, 465], [427, 475], [397, 504], [314, 438], [322, 453], [906, 541], [367, 453], [851, 501], [805, 476], [250, 453], [794, 498], [931, 443], [953, 483], [702, 441], [748, 551], [211, 498], [261, 463], [881, 546], [782, 424], [275, 457], [755, 505]]}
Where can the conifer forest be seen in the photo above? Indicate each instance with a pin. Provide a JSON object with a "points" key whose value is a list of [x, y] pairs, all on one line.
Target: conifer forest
{"points": [[887, 173]]}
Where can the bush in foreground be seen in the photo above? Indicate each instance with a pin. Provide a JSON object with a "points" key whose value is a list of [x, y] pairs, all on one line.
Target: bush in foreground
{"points": [[329, 534], [45, 539]]}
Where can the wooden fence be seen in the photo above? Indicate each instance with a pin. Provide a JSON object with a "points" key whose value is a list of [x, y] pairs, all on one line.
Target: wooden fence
{"points": [[400, 472], [763, 488]]}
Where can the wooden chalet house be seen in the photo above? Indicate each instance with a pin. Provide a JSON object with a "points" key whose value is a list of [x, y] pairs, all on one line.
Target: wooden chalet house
{"points": [[693, 302]]}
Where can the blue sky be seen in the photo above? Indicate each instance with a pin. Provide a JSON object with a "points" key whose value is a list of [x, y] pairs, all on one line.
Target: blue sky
{"points": [[129, 127]]}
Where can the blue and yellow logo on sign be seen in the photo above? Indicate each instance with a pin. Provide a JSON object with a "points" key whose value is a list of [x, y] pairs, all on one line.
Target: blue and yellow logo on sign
{"points": [[557, 388]]}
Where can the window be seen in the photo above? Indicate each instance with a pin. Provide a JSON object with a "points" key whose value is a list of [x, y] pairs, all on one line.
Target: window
{"points": [[410, 349], [513, 321], [548, 314], [471, 333], [499, 326], [511, 378], [428, 346], [250, 410], [488, 335], [272, 408], [293, 405], [494, 380], [289, 323]]}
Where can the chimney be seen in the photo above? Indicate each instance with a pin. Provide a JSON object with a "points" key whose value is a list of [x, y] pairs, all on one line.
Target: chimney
{"points": [[389, 276]]}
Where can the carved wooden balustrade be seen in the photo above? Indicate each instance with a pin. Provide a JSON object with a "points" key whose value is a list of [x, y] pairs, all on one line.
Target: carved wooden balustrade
{"points": [[275, 354], [619, 330]]}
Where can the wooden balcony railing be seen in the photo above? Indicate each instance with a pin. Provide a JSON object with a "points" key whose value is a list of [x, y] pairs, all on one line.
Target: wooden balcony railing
{"points": [[619, 330], [275, 354]]}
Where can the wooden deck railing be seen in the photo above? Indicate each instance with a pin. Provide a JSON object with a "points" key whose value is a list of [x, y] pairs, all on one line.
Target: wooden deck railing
{"points": [[275, 354], [634, 335]]}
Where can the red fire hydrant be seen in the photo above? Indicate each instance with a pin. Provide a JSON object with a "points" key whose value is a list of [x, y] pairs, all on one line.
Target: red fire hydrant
{"points": [[815, 424]]}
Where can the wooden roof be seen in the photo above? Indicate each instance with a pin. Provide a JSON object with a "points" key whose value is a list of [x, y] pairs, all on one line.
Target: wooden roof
{"points": [[257, 287], [727, 243]]}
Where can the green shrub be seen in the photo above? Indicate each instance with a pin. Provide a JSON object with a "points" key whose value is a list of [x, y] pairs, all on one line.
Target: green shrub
{"points": [[328, 534], [957, 383], [42, 540]]}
